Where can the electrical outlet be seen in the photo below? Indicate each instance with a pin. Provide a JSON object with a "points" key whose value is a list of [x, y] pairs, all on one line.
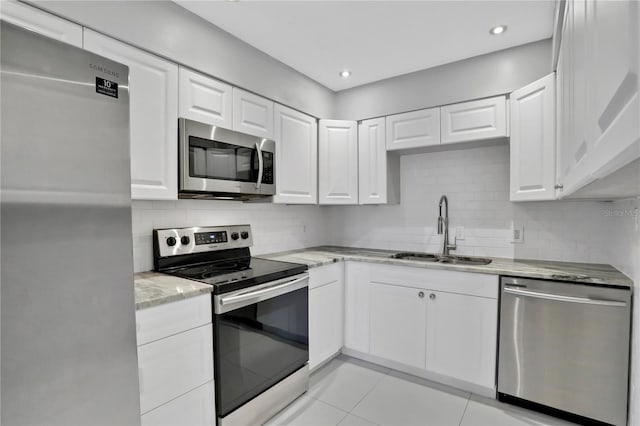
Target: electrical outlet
{"points": [[517, 233], [459, 232]]}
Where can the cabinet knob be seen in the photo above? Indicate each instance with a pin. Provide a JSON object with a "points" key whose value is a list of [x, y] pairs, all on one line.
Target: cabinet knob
{"points": [[559, 186], [432, 296], [421, 294]]}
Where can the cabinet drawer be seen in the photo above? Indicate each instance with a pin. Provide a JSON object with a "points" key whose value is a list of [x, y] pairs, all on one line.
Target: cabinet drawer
{"points": [[194, 408], [475, 120], [161, 321], [173, 366], [325, 275]]}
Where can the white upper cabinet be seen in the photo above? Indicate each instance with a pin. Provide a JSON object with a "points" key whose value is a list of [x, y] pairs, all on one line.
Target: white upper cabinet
{"points": [[372, 162], [614, 40], [413, 129], [296, 137], [398, 328], [598, 95], [41, 22], [533, 147], [474, 120], [204, 99], [461, 336], [153, 110], [252, 114], [338, 162]]}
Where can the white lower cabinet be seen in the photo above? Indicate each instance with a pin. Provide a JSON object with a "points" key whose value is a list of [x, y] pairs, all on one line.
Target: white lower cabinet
{"points": [[397, 324], [326, 307], [175, 363], [462, 333], [194, 408], [441, 325]]}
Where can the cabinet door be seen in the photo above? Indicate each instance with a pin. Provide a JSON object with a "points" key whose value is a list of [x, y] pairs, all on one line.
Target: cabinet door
{"points": [[614, 84], [173, 366], [356, 307], [204, 99], [372, 162], [252, 114], [41, 22], [413, 129], [195, 408], [474, 120], [153, 111], [338, 162], [461, 337], [325, 321], [398, 321], [533, 149], [296, 137]]}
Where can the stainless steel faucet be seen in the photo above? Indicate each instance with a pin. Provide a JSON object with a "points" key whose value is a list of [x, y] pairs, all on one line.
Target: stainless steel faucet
{"points": [[443, 227]]}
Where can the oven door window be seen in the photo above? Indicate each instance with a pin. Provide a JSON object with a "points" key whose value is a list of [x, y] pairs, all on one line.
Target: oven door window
{"points": [[257, 346], [211, 159]]}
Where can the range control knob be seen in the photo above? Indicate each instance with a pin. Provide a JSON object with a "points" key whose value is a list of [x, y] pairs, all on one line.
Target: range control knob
{"points": [[245, 235], [234, 236], [185, 240], [171, 241]]}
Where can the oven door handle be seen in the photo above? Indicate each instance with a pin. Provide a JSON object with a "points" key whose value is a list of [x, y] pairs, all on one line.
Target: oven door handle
{"points": [[239, 299], [260, 166], [560, 298]]}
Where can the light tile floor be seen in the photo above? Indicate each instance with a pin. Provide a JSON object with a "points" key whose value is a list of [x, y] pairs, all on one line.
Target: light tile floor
{"points": [[351, 392]]}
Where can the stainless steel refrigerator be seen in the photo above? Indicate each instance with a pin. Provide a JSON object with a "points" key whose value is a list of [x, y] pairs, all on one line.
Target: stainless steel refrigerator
{"points": [[68, 342]]}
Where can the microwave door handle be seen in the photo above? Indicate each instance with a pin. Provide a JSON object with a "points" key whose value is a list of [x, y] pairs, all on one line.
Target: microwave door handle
{"points": [[260, 166]]}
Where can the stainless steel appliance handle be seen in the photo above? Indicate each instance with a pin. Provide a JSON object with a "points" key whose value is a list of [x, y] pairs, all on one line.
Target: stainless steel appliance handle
{"points": [[243, 298], [260, 166], [570, 299]]}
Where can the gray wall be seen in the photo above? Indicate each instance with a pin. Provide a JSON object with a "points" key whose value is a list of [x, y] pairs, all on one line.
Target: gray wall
{"points": [[478, 77], [168, 30]]}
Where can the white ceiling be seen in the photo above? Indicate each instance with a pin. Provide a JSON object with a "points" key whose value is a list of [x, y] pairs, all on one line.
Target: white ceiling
{"points": [[376, 39]]}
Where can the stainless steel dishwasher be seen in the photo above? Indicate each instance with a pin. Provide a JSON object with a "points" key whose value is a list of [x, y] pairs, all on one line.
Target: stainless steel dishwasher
{"points": [[565, 346]]}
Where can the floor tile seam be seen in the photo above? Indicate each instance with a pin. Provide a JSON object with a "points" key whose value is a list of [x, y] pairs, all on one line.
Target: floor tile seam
{"points": [[367, 394], [465, 409]]}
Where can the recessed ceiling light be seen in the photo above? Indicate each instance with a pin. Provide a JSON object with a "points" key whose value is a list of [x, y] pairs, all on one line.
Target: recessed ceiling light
{"points": [[345, 74], [498, 30]]}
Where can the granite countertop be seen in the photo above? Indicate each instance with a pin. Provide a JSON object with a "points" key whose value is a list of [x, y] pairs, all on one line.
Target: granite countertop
{"points": [[155, 288], [589, 273]]}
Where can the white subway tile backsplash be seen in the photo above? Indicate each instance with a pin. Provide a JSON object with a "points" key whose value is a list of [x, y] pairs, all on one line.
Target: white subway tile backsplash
{"points": [[475, 180]]}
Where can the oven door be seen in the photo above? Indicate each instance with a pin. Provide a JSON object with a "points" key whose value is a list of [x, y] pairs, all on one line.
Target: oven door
{"points": [[261, 336], [221, 161]]}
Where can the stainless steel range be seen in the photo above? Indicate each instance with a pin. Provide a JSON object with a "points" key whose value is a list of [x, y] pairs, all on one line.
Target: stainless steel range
{"points": [[260, 319]]}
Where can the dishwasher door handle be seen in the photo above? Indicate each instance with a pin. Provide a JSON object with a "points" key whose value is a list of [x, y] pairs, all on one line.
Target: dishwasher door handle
{"points": [[571, 299]]}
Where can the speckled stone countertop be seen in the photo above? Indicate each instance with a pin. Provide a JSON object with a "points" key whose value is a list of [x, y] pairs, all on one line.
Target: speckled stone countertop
{"points": [[154, 288], [589, 273]]}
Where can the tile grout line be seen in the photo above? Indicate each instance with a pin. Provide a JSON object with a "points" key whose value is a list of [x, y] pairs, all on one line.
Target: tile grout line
{"points": [[465, 410], [367, 394]]}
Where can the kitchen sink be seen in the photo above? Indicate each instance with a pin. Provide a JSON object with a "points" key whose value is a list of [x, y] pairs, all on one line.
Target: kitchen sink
{"points": [[464, 260], [453, 259], [423, 257]]}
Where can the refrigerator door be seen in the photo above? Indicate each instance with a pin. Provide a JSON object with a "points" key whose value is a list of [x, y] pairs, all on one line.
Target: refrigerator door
{"points": [[68, 350]]}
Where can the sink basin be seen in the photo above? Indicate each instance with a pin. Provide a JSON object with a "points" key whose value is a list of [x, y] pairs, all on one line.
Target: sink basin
{"points": [[453, 259], [424, 257], [464, 260]]}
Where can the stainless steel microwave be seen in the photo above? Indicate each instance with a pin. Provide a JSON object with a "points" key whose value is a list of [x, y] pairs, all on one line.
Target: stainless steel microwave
{"points": [[217, 163]]}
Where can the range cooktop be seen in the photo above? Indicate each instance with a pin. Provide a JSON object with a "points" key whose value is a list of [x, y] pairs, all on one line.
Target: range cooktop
{"points": [[218, 256]]}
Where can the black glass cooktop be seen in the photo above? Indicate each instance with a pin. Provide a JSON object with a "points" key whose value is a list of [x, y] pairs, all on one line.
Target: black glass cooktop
{"points": [[234, 274]]}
